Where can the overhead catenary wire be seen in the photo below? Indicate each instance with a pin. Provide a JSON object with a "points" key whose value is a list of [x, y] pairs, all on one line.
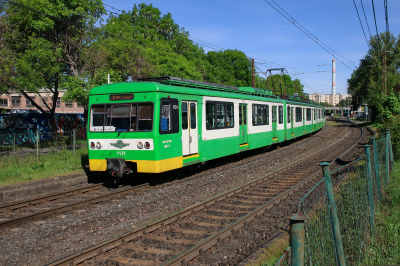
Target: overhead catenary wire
{"points": [[362, 27], [376, 27], [317, 41], [295, 21], [199, 42], [366, 18]]}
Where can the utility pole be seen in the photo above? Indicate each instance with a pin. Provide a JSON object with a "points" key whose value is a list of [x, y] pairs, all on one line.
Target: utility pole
{"points": [[253, 74]]}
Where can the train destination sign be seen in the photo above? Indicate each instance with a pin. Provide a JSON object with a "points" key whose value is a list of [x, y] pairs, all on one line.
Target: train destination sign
{"points": [[121, 97]]}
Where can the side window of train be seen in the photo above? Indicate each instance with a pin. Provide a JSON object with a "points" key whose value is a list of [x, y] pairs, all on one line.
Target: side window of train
{"points": [[169, 116], [184, 111], [260, 114], [299, 114], [288, 114], [308, 114], [315, 114], [280, 114], [219, 115]]}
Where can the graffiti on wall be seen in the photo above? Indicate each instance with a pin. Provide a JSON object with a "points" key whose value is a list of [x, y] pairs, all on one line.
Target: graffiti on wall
{"points": [[28, 123]]}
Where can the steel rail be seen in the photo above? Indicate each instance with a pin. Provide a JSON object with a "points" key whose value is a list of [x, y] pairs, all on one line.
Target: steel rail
{"points": [[38, 200], [148, 228], [72, 206], [218, 237]]}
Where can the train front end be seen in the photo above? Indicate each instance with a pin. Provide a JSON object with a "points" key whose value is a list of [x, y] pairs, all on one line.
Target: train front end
{"points": [[121, 135]]}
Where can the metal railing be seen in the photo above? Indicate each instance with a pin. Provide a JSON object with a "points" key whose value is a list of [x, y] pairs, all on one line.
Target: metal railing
{"points": [[335, 220], [41, 142]]}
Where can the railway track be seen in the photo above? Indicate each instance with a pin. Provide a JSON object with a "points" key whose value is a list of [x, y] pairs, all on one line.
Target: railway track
{"points": [[31, 209], [12, 214], [222, 229]]}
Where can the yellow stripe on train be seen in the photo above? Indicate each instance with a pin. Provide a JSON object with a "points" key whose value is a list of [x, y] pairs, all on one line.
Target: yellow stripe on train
{"points": [[143, 166]]}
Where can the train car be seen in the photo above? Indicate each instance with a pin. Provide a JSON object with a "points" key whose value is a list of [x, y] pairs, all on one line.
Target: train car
{"points": [[160, 124]]}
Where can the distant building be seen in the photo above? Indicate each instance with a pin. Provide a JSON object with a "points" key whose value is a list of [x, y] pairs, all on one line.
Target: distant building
{"points": [[16, 101], [328, 98]]}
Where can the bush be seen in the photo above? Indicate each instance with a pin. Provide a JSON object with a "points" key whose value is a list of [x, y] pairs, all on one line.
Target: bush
{"points": [[390, 118]]}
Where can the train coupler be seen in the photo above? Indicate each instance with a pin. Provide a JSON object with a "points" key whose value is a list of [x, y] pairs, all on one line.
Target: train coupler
{"points": [[116, 166]]}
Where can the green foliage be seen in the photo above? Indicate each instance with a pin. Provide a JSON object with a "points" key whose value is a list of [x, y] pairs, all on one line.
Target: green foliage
{"points": [[366, 80], [57, 45], [389, 117], [385, 249], [278, 84]]}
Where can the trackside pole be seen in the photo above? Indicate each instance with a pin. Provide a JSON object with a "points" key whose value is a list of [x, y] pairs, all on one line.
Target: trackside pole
{"points": [[297, 236], [390, 150], [387, 157], [377, 177], [370, 190], [37, 144], [333, 214], [74, 136]]}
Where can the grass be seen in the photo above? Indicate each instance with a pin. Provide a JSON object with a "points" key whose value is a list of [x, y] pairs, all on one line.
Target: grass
{"points": [[385, 248], [19, 169], [331, 123], [272, 253]]}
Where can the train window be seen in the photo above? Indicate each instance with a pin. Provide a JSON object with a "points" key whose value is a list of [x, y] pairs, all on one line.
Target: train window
{"points": [[145, 122], [298, 114], [165, 115], [280, 114], [221, 119], [229, 115], [122, 117], [192, 115], [169, 116], [288, 114], [219, 115], [260, 114], [308, 114], [184, 111]]}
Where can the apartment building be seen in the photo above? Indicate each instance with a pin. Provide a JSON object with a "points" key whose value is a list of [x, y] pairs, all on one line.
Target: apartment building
{"points": [[16, 101]]}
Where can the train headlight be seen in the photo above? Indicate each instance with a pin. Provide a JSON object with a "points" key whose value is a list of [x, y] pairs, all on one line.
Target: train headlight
{"points": [[140, 145], [147, 145], [99, 145], [92, 145]]}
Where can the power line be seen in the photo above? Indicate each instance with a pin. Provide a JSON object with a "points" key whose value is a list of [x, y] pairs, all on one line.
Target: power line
{"points": [[386, 15], [294, 21], [360, 22], [376, 27], [365, 18], [316, 40], [207, 43]]}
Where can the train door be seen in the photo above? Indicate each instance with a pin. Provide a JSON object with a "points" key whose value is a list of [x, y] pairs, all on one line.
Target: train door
{"points": [[190, 143], [274, 125], [304, 119], [243, 123]]}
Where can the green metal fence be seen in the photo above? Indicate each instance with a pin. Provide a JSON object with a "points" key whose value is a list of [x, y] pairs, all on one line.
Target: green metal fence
{"points": [[341, 208], [40, 142]]}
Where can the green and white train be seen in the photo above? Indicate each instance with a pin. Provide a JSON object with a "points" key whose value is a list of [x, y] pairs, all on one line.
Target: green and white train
{"points": [[160, 124]]}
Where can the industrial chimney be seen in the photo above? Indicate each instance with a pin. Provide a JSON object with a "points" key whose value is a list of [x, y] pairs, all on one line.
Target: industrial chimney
{"points": [[333, 83]]}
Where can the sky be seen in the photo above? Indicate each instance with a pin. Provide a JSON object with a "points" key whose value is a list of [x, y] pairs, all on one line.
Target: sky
{"points": [[261, 32]]}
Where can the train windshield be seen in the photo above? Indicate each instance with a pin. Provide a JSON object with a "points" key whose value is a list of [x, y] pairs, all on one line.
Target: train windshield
{"points": [[121, 117]]}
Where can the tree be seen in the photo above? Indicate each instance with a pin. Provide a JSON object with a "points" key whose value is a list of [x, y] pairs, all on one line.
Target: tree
{"points": [[53, 35], [366, 81], [284, 84]]}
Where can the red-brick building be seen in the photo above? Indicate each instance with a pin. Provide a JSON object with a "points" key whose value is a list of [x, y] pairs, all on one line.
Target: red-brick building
{"points": [[16, 101]]}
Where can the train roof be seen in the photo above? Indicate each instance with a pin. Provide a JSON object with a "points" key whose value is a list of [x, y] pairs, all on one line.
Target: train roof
{"points": [[179, 85]]}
